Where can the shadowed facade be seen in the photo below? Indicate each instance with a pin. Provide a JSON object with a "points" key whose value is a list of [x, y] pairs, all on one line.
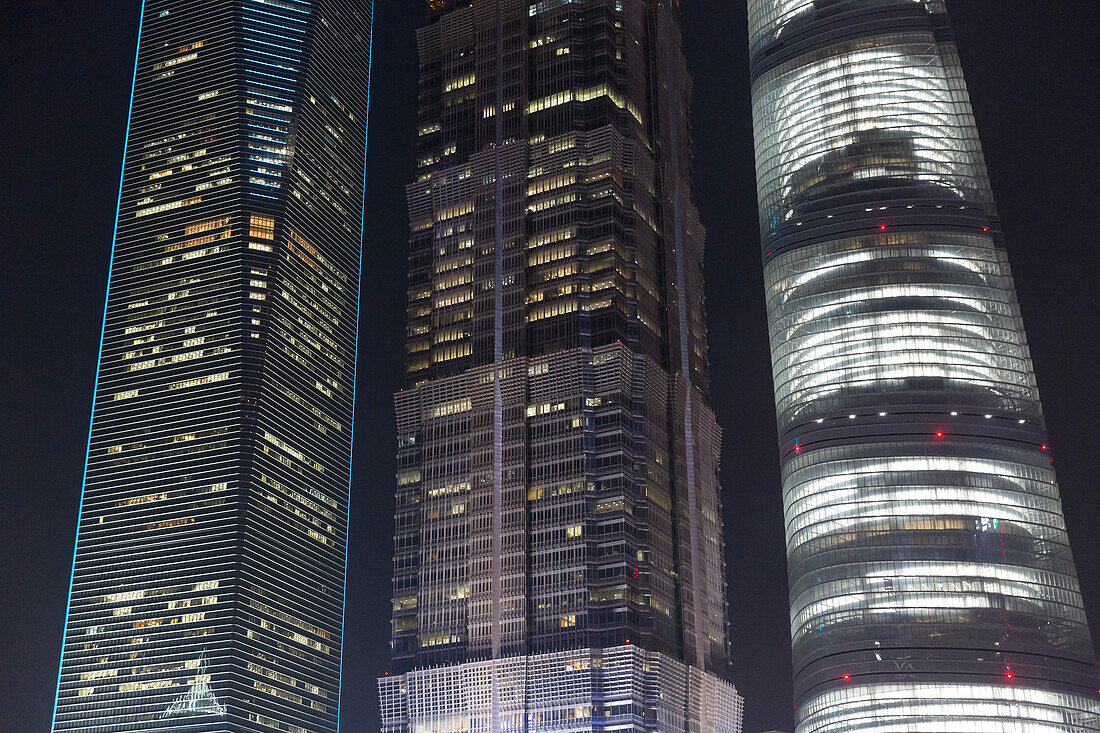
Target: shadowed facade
{"points": [[558, 505], [208, 580]]}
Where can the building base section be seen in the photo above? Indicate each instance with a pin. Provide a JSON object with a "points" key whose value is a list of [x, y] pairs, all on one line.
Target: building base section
{"points": [[621, 688], [948, 708]]}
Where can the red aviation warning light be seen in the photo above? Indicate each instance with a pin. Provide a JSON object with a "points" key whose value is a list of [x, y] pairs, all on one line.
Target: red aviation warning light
{"points": [[847, 677], [939, 433], [882, 227]]}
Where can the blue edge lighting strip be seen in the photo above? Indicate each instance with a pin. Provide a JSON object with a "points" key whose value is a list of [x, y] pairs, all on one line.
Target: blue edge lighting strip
{"points": [[99, 359], [355, 366]]}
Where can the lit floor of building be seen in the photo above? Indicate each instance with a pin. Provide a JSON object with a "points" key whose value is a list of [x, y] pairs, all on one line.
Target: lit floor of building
{"points": [[623, 688]]}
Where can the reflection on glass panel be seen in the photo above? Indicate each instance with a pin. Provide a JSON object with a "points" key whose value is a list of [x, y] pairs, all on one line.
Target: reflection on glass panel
{"points": [[857, 319], [959, 708], [771, 20], [944, 502], [931, 581], [868, 114]]}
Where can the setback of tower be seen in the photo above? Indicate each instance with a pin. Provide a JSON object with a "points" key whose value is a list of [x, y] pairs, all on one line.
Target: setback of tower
{"points": [[557, 493]]}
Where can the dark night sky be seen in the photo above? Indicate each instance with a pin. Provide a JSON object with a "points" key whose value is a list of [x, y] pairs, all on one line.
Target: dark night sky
{"points": [[1031, 68]]}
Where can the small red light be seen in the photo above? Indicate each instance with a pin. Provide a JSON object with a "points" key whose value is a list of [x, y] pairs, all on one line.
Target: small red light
{"points": [[628, 641], [985, 229], [1044, 446], [1009, 675], [939, 433], [882, 227], [847, 677], [798, 449]]}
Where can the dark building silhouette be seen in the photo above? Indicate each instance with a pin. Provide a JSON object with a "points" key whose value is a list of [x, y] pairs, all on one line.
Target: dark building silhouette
{"points": [[208, 581], [558, 548], [931, 581]]}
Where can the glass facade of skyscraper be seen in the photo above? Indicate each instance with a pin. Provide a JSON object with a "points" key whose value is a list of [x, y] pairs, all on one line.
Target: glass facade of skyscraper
{"points": [[208, 579], [931, 582], [558, 550]]}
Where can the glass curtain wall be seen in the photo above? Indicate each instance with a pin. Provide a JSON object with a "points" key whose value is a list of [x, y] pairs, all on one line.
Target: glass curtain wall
{"points": [[932, 586], [207, 589]]}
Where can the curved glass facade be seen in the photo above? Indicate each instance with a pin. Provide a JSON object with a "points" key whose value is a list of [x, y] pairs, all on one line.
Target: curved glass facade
{"points": [[859, 320], [931, 582]]}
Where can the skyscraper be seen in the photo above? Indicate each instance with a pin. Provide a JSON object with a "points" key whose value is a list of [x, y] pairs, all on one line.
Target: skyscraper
{"points": [[208, 579], [931, 581], [558, 551]]}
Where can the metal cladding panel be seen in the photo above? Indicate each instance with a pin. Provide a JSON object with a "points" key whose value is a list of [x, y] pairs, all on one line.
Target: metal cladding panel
{"points": [[558, 485], [622, 688], [207, 590], [932, 584]]}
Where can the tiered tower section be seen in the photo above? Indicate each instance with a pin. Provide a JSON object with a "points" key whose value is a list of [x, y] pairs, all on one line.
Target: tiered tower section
{"points": [[558, 486], [931, 581]]}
